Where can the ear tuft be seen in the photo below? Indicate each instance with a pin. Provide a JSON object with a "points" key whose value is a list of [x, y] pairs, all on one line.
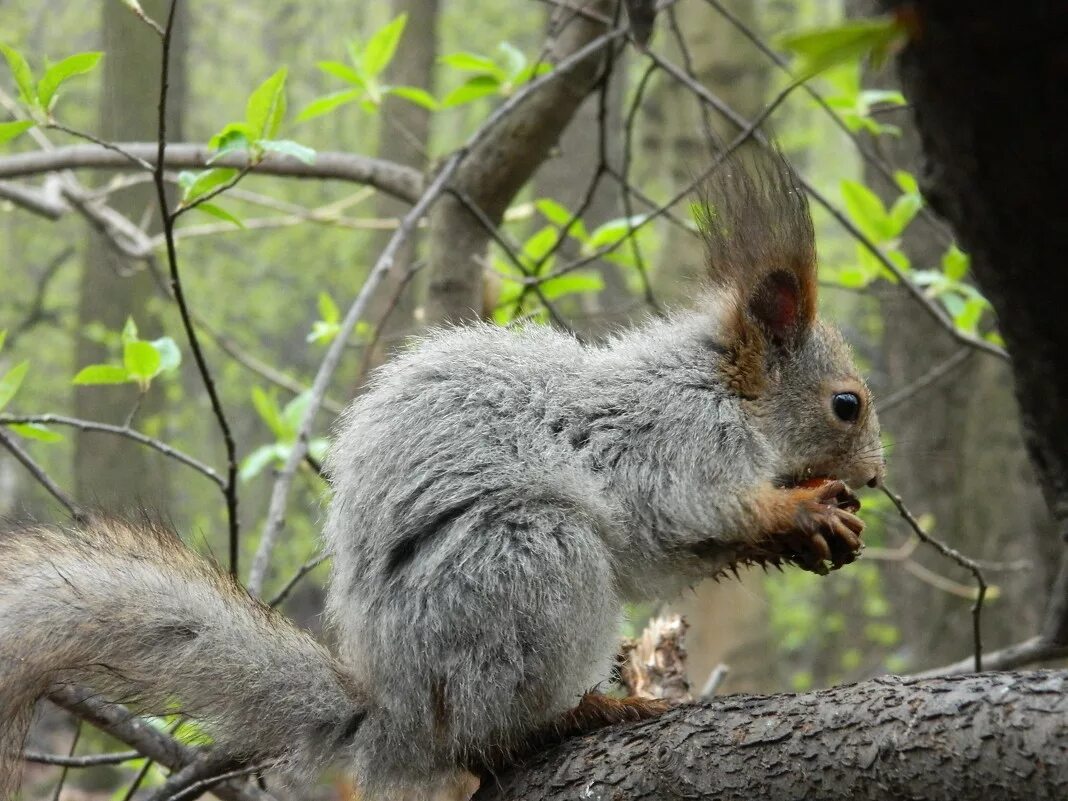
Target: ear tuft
{"points": [[776, 303]]}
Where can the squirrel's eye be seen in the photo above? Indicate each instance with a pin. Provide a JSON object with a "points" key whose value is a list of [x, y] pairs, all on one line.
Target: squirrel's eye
{"points": [[846, 406]]}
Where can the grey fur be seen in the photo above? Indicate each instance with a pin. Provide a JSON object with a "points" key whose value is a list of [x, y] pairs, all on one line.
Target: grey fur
{"points": [[498, 495]]}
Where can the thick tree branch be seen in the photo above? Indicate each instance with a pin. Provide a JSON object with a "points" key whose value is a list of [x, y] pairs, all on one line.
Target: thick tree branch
{"points": [[393, 179], [990, 736]]}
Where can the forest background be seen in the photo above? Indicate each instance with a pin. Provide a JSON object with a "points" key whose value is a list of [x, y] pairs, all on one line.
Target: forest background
{"points": [[598, 238]]}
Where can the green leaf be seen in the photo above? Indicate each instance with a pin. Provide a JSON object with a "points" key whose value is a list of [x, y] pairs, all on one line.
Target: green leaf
{"points": [[20, 71], [266, 406], [266, 106], [141, 360], [613, 231], [903, 210], [853, 277], [101, 374], [530, 72], [287, 147], [537, 247], [413, 94], [577, 282], [825, 47], [328, 103], [36, 431], [328, 310], [66, 69], [515, 61], [471, 89], [3, 337], [558, 215], [382, 45], [220, 213], [11, 382], [204, 182], [323, 332], [9, 130], [343, 71], [907, 181], [472, 62], [967, 319], [129, 331], [254, 464], [955, 263], [234, 136], [866, 211], [873, 97], [170, 357], [293, 413]]}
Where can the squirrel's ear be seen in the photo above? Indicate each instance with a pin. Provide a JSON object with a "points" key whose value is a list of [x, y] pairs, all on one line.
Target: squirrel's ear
{"points": [[761, 245]]}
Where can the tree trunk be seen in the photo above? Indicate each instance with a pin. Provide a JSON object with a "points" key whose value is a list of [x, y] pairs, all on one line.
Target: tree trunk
{"points": [[992, 736], [985, 82], [499, 166], [110, 471]]}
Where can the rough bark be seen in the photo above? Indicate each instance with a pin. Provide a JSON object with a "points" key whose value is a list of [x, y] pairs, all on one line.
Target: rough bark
{"points": [[498, 168], [990, 736], [985, 83]]}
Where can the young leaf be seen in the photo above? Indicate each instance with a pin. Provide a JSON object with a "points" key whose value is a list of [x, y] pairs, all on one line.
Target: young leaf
{"points": [[220, 213], [206, 181], [866, 211], [572, 283], [826, 47], [955, 263], [266, 106], [613, 231], [234, 136], [472, 89], [288, 147], [328, 103], [9, 130], [293, 413], [20, 71], [10, 382], [382, 45], [515, 61], [170, 357], [129, 331], [904, 209], [101, 374], [55, 75], [344, 72], [266, 406], [36, 431], [328, 310], [141, 360], [907, 182], [253, 464], [413, 94], [3, 337], [472, 62]]}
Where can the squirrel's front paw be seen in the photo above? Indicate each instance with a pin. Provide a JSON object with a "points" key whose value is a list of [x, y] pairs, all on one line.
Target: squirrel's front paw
{"points": [[812, 525], [827, 530]]}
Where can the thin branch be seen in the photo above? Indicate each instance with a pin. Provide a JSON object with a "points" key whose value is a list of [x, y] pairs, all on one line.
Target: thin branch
{"points": [[404, 183], [960, 559], [134, 160], [932, 376], [304, 570], [122, 724], [42, 477], [230, 488], [86, 761], [120, 431]]}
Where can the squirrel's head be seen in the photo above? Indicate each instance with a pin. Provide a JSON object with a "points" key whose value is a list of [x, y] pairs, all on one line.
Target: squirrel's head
{"points": [[794, 372]]}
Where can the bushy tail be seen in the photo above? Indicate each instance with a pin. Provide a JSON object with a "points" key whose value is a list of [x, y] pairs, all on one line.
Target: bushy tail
{"points": [[132, 612]]}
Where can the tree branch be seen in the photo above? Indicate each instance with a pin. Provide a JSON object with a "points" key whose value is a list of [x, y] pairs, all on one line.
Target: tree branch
{"points": [[397, 180], [995, 736]]}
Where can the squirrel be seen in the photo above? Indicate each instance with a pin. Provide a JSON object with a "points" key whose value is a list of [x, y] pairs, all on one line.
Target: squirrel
{"points": [[497, 496]]}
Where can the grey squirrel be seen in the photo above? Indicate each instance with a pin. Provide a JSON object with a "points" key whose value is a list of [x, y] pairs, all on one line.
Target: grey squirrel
{"points": [[498, 496]]}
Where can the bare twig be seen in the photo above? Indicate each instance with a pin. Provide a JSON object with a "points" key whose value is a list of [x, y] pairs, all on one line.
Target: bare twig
{"points": [[86, 761], [960, 559], [932, 376], [404, 183], [42, 477], [230, 488], [304, 570], [120, 431]]}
